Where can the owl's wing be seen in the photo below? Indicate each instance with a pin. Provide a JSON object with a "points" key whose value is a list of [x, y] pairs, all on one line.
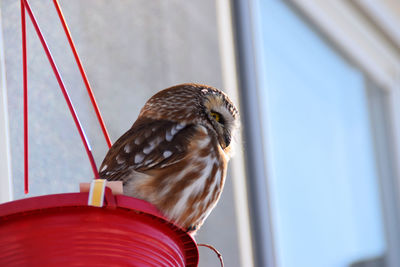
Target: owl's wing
{"points": [[148, 145]]}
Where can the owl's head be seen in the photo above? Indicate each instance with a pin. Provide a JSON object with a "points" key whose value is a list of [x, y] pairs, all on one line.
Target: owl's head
{"points": [[196, 104]]}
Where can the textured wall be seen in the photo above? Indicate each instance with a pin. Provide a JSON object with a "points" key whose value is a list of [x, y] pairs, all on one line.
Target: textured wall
{"points": [[130, 49]]}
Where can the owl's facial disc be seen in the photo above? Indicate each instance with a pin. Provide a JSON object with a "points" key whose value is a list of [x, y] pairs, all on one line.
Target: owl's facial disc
{"points": [[221, 119]]}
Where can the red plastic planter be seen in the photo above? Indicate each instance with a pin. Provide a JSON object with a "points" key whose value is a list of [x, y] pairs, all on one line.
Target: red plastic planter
{"points": [[62, 230]]}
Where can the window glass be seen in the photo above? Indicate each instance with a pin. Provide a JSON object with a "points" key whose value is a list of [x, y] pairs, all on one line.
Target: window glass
{"points": [[323, 183]]}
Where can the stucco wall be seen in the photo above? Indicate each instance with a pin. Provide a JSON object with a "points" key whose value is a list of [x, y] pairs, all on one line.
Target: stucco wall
{"points": [[130, 50]]}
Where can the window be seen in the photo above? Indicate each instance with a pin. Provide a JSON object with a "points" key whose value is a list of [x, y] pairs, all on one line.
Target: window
{"points": [[323, 185], [326, 132]]}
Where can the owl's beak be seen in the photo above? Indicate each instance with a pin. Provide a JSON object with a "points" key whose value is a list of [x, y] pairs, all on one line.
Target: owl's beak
{"points": [[227, 139]]}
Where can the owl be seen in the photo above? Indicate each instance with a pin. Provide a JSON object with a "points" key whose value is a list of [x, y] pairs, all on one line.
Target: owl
{"points": [[175, 155]]}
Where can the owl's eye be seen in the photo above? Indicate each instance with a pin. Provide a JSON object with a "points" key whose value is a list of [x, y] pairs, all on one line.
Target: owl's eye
{"points": [[218, 117]]}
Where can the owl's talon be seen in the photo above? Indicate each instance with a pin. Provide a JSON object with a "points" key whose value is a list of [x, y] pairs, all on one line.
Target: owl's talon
{"points": [[191, 228]]}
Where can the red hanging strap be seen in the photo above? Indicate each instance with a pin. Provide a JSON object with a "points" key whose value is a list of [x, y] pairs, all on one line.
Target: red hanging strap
{"points": [[25, 81], [63, 89], [82, 71]]}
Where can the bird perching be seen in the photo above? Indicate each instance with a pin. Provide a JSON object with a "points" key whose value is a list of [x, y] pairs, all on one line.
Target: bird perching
{"points": [[176, 153]]}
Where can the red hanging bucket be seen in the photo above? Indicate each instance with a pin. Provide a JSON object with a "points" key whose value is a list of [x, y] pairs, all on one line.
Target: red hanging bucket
{"points": [[62, 230]]}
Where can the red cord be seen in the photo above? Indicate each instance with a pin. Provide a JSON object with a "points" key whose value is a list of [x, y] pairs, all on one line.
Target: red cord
{"points": [[82, 71], [63, 89], [25, 83]]}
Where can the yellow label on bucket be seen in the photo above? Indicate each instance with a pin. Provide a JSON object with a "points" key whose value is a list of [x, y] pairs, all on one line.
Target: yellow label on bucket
{"points": [[96, 193]]}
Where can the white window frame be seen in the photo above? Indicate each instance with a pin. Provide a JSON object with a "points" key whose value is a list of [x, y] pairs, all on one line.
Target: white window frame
{"points": [[6, 191], [368, 34], [237, 165]]}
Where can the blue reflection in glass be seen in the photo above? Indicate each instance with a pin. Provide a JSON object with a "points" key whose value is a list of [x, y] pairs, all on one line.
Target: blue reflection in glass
{"points": [[324, 189]]}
